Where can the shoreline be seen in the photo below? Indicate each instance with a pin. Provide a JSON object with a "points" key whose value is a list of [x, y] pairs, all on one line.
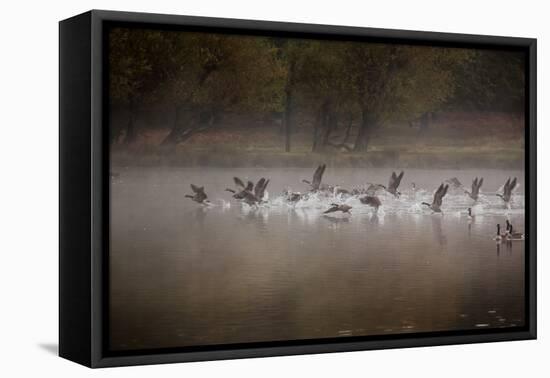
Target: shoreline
{"points": [[503, 159]]}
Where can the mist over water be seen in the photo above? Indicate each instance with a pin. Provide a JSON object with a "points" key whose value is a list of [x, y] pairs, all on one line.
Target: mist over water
{"points": [[186, 274]]}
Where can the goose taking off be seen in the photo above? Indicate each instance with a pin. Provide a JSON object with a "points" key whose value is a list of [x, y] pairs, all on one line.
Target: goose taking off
{"points": [[336, 207], [372, 201], [507, 191], [395, 180], [199, 195], [476, 184], [242, 190], [438, 198], [315, 184], [259, 189]]}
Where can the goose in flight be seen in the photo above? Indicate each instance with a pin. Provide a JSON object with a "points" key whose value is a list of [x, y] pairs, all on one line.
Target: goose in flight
{"points": [[438, 198], [199, 195], [372, 201], [507, 191], [476, 184], [315, 184], [395, 180], [336, 207]]}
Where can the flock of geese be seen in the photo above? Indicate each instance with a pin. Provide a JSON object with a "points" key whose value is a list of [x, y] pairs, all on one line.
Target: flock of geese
{"points": [[256, 194]]}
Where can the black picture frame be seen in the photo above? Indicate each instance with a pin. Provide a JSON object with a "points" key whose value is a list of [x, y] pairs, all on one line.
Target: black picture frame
{"points": [[84, 190]]}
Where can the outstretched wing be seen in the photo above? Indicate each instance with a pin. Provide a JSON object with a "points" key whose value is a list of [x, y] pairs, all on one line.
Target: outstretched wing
{"points": [[238, 182], [398, 179], [513, 184], [318, 176], [439, 194], [249, 186], [393, 179], [442, 194], [331, 210], [507, 185], [479, 183], [259, 188]]}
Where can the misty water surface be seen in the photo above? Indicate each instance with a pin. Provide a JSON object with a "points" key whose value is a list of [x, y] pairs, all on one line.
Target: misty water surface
{"points": [[184, 274]]}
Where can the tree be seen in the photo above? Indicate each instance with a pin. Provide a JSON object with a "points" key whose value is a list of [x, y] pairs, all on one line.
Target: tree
{"points": [[398, 82], [132, 71], [218, 73]]}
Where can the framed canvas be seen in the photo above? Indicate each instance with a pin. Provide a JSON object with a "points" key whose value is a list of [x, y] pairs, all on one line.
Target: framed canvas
{"points": [[234, 188]]}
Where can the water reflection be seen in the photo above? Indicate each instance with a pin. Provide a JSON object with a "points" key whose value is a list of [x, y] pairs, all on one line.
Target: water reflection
{"points": [[437, 230], [183, 274]]}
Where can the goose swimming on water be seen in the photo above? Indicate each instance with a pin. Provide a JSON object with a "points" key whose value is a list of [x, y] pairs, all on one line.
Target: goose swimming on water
{"points": [[438, 198], [507, 191], [476, 184], [511, 235], [199, 195], [498, 237]]}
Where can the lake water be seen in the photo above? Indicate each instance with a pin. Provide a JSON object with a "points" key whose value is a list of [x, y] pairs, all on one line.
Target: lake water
{"points": [[184, 274]]}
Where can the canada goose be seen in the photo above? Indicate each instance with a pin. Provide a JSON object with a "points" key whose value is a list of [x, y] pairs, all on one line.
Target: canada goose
{"points": [[249, 198], [470, 215], [259, 189], [315, 184], [476, 184], [508, 225], [242, 190], [336, 207], [511, 235], [199, 196], [507, 191], [395, 180], [373, 201], [239, 184], [438, 198], [498, 236]]}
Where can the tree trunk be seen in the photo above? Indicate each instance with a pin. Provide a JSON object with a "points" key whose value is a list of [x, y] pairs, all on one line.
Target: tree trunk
{"points": [[319, 127], [131, 133], [288, 105], [193, 125], [172, 135], [331, 123], [287, 119], [348, 128], [368, 122]]}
